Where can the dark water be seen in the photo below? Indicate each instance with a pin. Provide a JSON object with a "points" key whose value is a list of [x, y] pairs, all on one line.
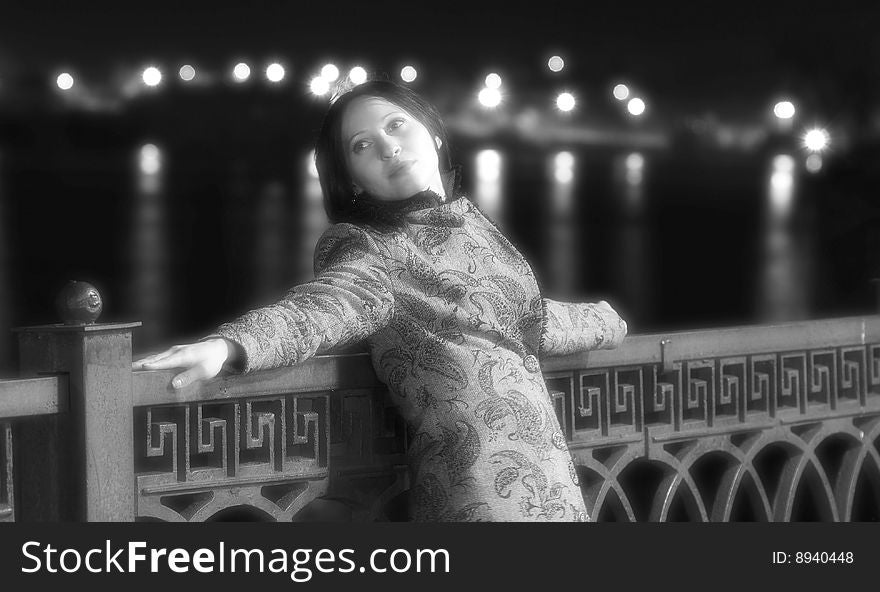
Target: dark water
{"points": [[688, 240]]}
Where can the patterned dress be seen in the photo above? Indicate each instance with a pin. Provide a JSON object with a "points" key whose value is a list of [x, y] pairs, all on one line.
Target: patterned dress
{"points": [[455, 323]]}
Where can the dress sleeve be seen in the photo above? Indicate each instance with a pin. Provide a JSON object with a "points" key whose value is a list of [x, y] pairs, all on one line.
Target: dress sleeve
{"points": [[349, 300], [576, 327]]}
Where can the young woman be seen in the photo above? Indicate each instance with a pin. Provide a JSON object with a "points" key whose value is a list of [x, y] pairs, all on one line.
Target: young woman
{"points": [[451, 311]]}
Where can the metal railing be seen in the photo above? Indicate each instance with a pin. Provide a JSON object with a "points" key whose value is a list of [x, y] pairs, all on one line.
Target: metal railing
{"points": [[775, 423]]}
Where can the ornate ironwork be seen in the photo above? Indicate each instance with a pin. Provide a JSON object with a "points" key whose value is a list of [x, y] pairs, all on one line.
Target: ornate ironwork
{"points": [[259, 458], [767, 423], [793, 435]]}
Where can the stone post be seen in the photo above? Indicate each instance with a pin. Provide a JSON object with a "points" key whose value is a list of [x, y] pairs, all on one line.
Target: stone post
{"points": [[80, 465]]}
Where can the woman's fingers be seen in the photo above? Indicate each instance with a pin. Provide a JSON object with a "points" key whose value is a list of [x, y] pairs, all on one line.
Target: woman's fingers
{"points": [[153, 359], [163, 361], [198, 372], [201, 360]]}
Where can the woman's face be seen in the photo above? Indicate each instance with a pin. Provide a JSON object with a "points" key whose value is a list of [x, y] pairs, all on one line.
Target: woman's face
{"points": [[390, 154]]}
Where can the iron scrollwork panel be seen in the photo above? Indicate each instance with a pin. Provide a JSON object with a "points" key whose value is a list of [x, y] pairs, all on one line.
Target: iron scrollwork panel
{"points": [[791, 394], [699, 383], [823, 380], [729, 404], [855, 376], [203, 457], [763, 385]]}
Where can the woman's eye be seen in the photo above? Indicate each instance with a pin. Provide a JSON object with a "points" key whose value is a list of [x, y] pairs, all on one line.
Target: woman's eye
{"points": [[360, 146], [396, 123]]}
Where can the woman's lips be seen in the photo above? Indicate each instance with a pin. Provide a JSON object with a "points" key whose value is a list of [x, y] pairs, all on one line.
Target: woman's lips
{"points": [[400, 167]]}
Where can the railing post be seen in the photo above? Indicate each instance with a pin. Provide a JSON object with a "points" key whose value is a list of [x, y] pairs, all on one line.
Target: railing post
{"points": [[80, 467]]}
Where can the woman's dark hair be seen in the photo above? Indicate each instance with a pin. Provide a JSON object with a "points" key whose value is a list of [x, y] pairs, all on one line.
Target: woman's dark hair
{"points": [[330, 150]]}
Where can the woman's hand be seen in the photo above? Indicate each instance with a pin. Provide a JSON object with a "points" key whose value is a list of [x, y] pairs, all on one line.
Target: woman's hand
{"points": [[203, 360], [615, 325]]}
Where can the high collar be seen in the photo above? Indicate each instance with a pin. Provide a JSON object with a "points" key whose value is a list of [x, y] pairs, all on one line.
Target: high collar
{"points": [[393, 213]]}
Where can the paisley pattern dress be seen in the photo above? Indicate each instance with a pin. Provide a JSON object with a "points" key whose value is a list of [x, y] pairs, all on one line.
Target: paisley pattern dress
{"points": [[455, 324]]}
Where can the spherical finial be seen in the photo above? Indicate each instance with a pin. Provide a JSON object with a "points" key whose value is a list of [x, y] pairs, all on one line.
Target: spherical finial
{"points": [[78, 303]]}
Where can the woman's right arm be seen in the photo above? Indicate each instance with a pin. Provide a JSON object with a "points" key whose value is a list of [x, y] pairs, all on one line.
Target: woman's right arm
{"points": [[349, 300]]}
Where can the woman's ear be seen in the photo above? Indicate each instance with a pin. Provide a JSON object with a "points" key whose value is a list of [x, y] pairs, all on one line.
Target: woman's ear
{"points": [[357, 189], [438, 141]]}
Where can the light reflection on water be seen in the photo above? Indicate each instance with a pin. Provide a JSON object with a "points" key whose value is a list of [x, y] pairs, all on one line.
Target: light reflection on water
{"points": [[488, 193], [149, 287], [561, 232], [784, 291], [601, 232]]}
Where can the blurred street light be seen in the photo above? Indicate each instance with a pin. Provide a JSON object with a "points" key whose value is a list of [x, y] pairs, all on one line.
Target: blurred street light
{"points": [[152, 76], [275, 72], [636, 106], [565, 101], [408, 74], [64, 81]]}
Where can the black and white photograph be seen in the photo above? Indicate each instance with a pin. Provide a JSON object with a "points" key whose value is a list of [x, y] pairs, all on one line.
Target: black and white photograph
{"points": [[404, 262]]}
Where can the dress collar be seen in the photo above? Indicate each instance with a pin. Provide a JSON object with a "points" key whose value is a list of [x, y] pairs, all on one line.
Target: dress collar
{"points": [[393, 213]]}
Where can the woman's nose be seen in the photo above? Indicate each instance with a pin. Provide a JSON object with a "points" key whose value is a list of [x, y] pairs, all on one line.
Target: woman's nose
{"points": [[390, 148]]}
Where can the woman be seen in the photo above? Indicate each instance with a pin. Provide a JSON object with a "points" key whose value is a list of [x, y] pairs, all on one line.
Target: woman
{"points": [[450, 309]]}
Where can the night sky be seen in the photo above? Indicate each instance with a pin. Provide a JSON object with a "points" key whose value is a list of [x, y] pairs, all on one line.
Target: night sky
{"points": [[689, 51]]}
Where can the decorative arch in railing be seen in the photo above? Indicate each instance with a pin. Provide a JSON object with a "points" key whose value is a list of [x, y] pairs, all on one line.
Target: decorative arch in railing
{"points": [[828, 471]]}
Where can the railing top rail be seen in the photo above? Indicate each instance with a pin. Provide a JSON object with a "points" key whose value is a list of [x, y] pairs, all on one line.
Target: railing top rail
{"points": [[23, 397], [351, 371], [77, 328], [321, 373], [727, 341]]}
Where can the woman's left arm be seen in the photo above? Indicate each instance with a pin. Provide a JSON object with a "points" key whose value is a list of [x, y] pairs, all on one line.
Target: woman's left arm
{"points": [[573, 327]]}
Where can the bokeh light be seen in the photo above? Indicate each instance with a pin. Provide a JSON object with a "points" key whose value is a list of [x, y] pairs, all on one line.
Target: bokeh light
{"points": [[64, 81], [563, 175], [635, 161], [565, 101], [620, 92], [635, 106], [781, 181], [357, 75], [784, 110], [556, 64], [241, 72], [150, 161], [152, 76], [275, 72], [563, 167], [782, 185], [488, 165], [489, 97], [493, 80], [408, 74], [330, 72], [564, 160], [635, 164], [813, 163], [816, 140], [783, 163], [187, 73], [319, 86], [489, 181]]}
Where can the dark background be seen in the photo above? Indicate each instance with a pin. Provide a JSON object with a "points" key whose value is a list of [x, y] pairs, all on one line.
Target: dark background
{"points": [[229, 222]]}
